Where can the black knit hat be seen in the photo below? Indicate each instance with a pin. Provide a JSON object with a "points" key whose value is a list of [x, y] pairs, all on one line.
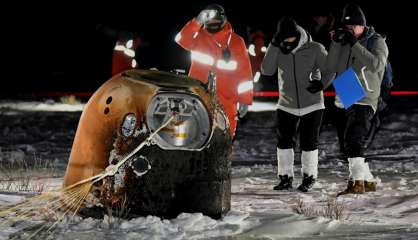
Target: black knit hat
{"points": [[353, 15], [287, 27]]}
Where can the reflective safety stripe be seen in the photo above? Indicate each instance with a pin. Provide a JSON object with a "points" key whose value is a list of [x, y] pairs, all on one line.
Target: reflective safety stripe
{"points": [[202, 58], [245, 87], [129, 52], [178, 37], [127, 49], [119, 47], [257, 76], [129, 44], [134, 63], [209, 60], [251, 50], [230, 65], [365, 80]]}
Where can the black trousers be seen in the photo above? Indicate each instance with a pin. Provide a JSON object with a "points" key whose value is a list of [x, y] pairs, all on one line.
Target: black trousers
{"points": [[339, 121], [353, 129], [288, 125], [383, 110], [358, 122]]}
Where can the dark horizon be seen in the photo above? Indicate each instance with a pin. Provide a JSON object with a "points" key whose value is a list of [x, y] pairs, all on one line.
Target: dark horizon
{"points": [[65, 55]]}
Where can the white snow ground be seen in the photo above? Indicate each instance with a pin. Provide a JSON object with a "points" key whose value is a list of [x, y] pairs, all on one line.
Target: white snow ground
{"points": [[53, 106], [50, 106], [257, 212], [261, 213]]}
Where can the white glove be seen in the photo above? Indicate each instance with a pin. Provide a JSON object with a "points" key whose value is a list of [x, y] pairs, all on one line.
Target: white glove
{"points": [[203, 16]]}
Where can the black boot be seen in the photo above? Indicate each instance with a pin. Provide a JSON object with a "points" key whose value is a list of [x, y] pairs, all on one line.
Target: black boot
{"points": [[285, 183], [307, 183]]}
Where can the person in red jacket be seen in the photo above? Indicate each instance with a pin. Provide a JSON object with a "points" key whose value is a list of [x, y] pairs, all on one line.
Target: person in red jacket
{"points": [[123, 57], [216, 48], [124, 53], [257, 49]]}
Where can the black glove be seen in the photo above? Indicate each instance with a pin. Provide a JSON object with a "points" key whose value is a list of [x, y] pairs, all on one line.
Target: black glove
{"points": [[277, 39], [344, 37], [315, 86], [349, 38], [339, 35]]}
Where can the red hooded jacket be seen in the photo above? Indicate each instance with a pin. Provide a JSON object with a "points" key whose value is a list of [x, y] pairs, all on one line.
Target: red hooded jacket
{"points": [[124, 55], [233, 78]]}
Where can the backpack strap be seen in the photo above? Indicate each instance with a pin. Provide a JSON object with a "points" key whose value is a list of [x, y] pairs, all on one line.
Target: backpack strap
{"points": [[371, 40], [387, 81]]}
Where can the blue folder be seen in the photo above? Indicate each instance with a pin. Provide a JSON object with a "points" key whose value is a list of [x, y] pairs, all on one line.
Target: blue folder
{"points": [[348, 88]]}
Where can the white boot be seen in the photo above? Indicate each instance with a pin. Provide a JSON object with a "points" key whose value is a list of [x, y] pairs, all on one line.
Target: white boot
{"points": [[309, 169], [368, 176], [357, 168], [285, 161], [355, 184], [370, 183], [309, 161]]}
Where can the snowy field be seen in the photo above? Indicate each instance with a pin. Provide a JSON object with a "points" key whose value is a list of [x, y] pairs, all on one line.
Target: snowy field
{"points": [[41, 133]]}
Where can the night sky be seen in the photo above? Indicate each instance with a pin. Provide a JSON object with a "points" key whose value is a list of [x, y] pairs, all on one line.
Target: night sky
{"points": [[65, 51]]}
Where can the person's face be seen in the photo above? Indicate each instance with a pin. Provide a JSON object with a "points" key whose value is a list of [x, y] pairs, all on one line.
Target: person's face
{"points": [[213, 26], [288, 44], [320, 20], [290, 39], [213, 21], [356, 30]]}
